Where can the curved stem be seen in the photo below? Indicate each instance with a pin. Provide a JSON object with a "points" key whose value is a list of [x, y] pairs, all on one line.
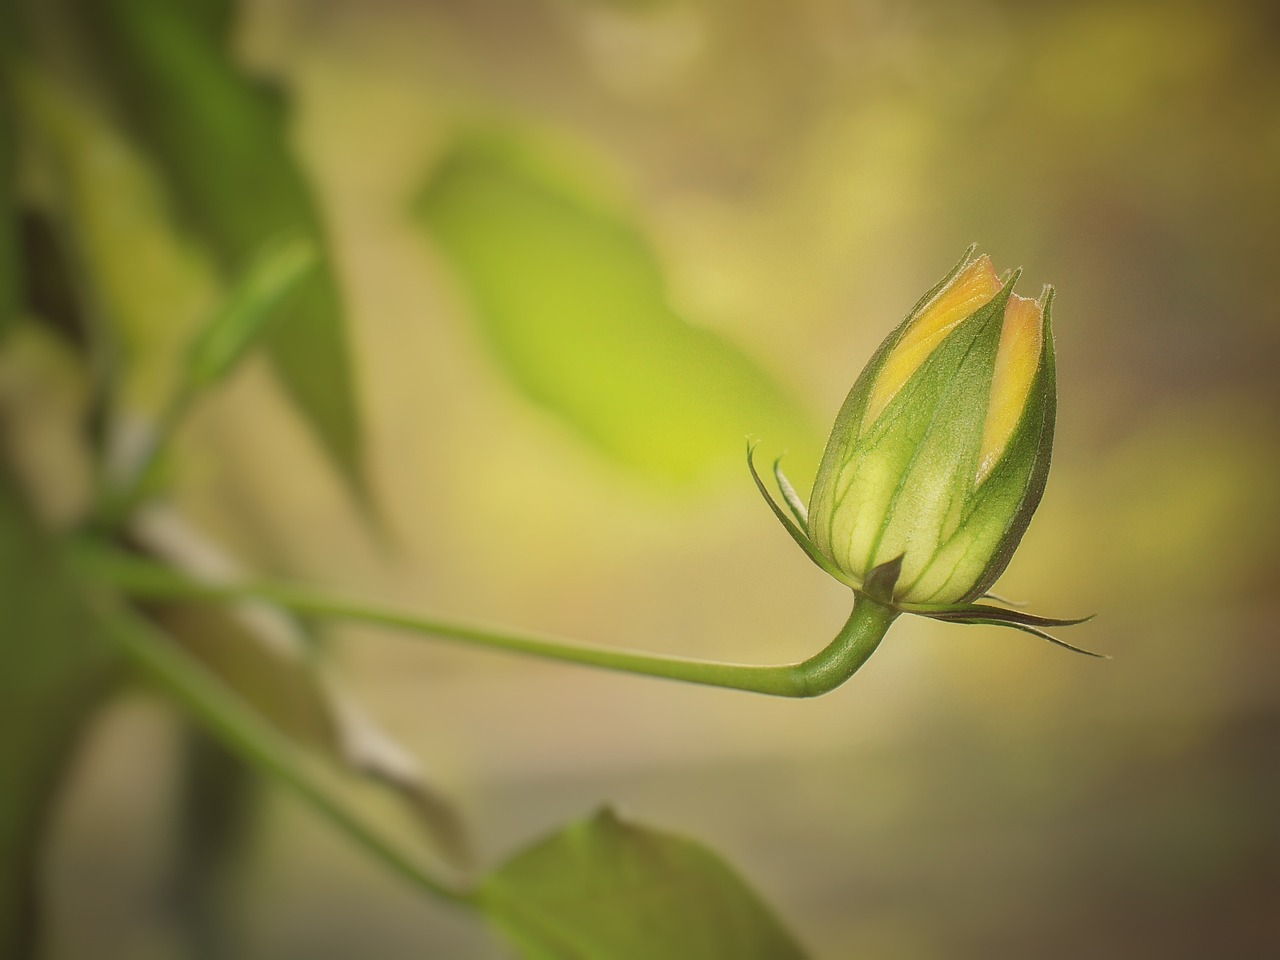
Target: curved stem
{"points": [[819, 674]]}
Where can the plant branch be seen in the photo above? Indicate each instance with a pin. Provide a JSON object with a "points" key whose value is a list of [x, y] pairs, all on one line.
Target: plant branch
{"points": [[225, 717]]}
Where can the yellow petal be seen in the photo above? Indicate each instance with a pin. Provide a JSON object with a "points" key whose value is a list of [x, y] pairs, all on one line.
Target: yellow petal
{"points": [[968, 291], [1018, 358]]}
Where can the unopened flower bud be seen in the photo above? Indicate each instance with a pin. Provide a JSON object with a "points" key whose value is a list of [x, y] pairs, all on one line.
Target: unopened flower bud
{"points": [[940, 452], [939, 455]]}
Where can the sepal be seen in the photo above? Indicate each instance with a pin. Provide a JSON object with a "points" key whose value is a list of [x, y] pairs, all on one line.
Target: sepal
{"points": [[981, 613], [797, 534], [881, 581], [798, 509]]}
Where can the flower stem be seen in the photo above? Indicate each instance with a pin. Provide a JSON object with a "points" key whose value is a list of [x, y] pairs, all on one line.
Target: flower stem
{"points": [[819, 674]]}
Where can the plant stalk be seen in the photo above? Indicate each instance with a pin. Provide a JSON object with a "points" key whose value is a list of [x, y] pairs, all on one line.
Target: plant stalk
{"points": [[819, 674]]}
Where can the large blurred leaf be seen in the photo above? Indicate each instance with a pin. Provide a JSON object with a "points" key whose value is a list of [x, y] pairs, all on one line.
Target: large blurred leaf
{"points": [[605, 888], [136, 274], [222, 143], [52, 667], [572, 299]]}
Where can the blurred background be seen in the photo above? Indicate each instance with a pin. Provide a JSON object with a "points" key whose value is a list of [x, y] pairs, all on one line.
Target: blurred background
{"points": [[586, 247]]}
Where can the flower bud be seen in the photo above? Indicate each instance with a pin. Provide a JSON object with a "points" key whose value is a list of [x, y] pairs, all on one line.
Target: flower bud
{"points": [[940, 452]]}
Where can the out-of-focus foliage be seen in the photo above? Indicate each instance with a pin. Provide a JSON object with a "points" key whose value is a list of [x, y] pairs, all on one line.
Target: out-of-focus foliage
{"points": [[605, 887], [255, 301], [573, 301], [139, 279], [793, 173], [9, 289], [267, 659], [53, 666], [220, 141]]}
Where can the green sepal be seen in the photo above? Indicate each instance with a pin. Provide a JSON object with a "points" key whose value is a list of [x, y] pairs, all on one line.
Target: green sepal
{"points": [[798, 535], [1045, 389], [959, 611], [1005, 501], [1025, 628], [798, 509], [956, 375], [1005, 600], [881, 580], [981, 613], [844, 432]]}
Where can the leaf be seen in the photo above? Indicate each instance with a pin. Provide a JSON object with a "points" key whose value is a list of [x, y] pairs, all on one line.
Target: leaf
{"points": [[45, 402], [261, 653], [223, 147], [254, 301], [133, 273], [572, 300], [607, 888], [53, 670]]}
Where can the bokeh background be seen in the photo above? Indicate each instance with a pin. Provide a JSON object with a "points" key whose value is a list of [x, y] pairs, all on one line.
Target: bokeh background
{"points": [[786, 179]]}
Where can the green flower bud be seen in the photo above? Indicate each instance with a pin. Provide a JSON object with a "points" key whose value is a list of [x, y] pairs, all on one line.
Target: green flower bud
{"points": [[939, 456], [940, 453]]}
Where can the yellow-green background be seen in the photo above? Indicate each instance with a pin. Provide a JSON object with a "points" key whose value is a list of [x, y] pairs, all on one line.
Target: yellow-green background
{"points": [[803, 171]]}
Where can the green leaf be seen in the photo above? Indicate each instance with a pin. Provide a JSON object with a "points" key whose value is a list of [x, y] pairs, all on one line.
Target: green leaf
{"points": [[607, 888], [256, 299], [223, 146], [572, 300], [53, 670], [142, 282]]}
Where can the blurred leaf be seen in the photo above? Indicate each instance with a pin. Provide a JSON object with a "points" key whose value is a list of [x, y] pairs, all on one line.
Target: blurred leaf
{"points": [[9, 269], [253, 302], [573, 302], [52, 670], [48, 294], [223, 146], [261, 654], [607, 888], [216, 807], [141, 278], [44, 404]]}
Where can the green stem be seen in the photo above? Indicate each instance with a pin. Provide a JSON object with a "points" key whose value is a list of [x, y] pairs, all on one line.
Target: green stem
{"points": [[819, 674], [121, 497], [230, 721]]}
